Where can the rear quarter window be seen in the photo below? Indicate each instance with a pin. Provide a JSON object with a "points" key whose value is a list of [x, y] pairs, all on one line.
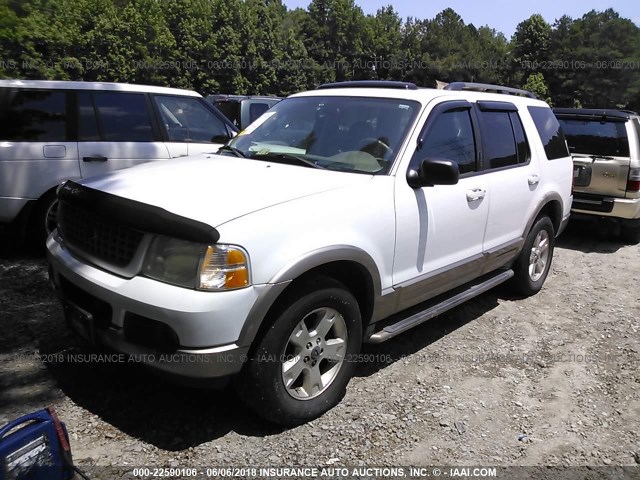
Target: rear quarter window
{"points": [[551, 134], [33, 116]]}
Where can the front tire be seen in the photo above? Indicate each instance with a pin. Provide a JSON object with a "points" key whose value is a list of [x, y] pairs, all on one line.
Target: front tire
{"points": [[532, 265], [301, 366], [43, 221]]}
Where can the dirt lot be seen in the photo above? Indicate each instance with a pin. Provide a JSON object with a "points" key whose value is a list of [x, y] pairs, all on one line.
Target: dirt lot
{"points": [[548, 380]]}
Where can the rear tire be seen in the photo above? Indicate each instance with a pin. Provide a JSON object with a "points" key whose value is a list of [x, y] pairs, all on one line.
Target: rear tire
{"points": [[532, 265], [302, 364]]}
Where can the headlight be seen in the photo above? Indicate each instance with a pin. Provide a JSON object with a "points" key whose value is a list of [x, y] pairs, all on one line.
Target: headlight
{"points": [[198, 266]]}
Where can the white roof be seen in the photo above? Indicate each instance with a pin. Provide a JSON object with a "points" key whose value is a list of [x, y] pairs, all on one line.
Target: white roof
{"points": [[120, 87], [423, 95]]}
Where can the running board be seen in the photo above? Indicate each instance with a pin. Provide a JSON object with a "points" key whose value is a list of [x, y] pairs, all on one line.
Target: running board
{"points": [[405, 324]]}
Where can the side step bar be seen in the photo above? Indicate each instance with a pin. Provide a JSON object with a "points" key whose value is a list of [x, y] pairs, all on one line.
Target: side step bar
{"points": [[405, 324]]}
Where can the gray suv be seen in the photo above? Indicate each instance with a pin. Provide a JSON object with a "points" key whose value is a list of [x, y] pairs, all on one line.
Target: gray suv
{"points": [[605, 146]]}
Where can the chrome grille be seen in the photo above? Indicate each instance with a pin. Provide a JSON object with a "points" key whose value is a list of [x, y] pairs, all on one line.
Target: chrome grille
{"points": [[97, 237]]}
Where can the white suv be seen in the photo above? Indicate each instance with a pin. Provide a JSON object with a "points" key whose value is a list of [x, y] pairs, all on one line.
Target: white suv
{"points": [[52, 131], [346, 214]]}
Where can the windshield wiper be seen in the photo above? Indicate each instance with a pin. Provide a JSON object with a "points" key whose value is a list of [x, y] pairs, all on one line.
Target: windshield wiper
{"points": [[592, 157], [236, 151], [286, 157]]}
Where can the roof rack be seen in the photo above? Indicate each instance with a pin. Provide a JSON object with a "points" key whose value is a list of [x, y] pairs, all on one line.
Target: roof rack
{"points": [[486, 87], [370, 84]]}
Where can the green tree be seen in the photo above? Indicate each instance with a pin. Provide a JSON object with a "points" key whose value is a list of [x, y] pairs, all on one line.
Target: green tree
{"points": [[530, 44], [334, 32], [8, 42], [383, 37], [536, 84]]}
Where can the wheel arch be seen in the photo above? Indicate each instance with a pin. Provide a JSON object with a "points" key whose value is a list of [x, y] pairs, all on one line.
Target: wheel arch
{"points": [[350, 266], [550, 206]]}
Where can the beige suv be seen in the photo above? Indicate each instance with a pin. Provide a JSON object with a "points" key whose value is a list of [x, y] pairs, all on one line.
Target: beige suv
{"points": [[605, 146]]}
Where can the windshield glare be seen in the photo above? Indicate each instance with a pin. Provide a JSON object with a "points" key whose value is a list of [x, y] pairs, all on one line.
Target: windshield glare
{"points": [[355, 134]]}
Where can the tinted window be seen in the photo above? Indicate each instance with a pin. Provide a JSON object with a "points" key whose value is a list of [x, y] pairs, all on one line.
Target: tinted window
{"points": [[595, 137], [521, 139], [188, 120], [450, 137], [87, 121], [498, 140], [123, 117], [34, 115], [257, 109], [550, 132]]}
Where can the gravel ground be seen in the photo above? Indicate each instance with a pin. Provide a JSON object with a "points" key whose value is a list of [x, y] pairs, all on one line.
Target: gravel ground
{"points": [[548, 380]]}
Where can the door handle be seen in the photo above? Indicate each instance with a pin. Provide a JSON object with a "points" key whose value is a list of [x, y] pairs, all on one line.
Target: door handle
{"points": [[533, 180], [475, 194], [97, 158]]}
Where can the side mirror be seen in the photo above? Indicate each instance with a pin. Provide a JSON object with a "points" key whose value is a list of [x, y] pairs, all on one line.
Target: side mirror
{"points": [[433, 172]]}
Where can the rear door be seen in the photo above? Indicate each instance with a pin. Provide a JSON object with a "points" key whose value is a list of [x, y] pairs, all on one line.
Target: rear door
{"points": [[599, 146], [116, 130], [513, 178]]}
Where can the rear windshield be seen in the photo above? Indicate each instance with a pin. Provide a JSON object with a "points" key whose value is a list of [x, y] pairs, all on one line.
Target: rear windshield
{"points": [[593, 137]]}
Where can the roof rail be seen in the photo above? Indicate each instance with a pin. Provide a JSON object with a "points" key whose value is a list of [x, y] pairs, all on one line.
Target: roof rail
{"points": [[486, 87], [369, 84]]}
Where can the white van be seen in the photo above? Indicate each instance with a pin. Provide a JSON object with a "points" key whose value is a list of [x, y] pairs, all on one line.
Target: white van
{"points": [[51, 131]]}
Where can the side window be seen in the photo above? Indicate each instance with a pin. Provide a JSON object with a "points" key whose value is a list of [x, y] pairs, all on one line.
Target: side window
{"points": [[34, 116], [188, 120], [87, 121], [451, 137], [123, 117], [521, 139], [498, 140], [555, 145]]}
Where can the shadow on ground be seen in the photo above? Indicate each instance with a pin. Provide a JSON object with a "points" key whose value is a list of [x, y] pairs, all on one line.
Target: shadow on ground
{"points": [[590, 236]]}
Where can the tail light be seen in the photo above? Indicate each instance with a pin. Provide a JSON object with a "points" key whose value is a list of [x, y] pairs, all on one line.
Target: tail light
{"points": [[633, 182]]}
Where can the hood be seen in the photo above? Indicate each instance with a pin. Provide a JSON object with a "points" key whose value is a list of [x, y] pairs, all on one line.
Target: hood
{"points": [[215, 189]]}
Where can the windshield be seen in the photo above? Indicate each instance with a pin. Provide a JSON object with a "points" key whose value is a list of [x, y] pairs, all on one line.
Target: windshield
{"points": [[356, 134], [601, 138]]}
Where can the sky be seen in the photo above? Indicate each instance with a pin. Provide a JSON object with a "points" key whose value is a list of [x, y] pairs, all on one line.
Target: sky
{"points": [[503, 15]]}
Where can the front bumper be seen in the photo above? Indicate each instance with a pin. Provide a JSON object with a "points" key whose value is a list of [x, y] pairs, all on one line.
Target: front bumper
{"points": [[207, 326]]}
